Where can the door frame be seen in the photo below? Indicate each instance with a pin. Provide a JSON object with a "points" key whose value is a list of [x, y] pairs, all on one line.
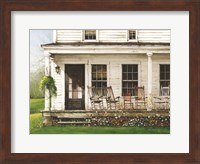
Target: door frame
{"points": [[66, 86]]}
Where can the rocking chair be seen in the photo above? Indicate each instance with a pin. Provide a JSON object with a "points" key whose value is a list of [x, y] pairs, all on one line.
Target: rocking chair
{"points": [[111, 100], [128, 104], [140, 97], [163, 101], [95, 100]]}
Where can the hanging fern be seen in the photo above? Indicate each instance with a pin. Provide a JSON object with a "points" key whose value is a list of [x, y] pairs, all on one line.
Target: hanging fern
{"points": [[48, 83]]}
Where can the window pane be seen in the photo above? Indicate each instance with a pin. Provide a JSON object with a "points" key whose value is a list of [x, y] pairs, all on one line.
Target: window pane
{"points": [[104, 76], [129, 76], [167, 68], [124, 92], [98, 76], [162, 76], [104, 68], [135, 76], [162, 68], [104, 84], [124, 68], [135, 68], [90, 34], [132, 34], [135, 83], [167, 76], [124, 76], [124, 84], [94, 68], [130, 85], [129, 68], [93, 76]]}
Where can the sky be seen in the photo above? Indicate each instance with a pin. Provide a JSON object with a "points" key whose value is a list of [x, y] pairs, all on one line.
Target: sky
{"points": [[38, 37]]}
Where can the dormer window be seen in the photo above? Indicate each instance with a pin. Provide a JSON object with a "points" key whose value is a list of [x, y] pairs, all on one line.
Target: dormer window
{"points": [[90, 35], [131, 35]]}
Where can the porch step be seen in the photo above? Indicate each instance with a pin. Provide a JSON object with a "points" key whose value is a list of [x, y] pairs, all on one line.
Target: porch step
{"points": [[78, 120], [73, 117], [66, 122]]}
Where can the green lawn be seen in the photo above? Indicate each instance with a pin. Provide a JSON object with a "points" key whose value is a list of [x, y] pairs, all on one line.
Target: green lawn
{"points": [[36, 127], [36, 105]]}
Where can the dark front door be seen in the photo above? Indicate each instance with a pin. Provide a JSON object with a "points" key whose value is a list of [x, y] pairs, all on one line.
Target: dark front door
{"points": [[74, 86]]}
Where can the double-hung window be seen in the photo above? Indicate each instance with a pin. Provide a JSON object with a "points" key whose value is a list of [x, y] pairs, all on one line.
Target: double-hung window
{"points": [[99, 77], [129, 79], [164, 75]]}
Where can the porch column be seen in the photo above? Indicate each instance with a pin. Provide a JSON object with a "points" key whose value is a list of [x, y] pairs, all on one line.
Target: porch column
{"points": [[47, 73], [149, 54]]}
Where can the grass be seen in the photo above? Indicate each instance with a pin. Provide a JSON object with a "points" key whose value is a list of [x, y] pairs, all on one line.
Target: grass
{"points": [[36, 105], [36, 127], [36, 121]]}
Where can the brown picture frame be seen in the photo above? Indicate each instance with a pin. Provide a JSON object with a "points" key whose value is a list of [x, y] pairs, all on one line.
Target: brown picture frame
{"points": [[7, 6]]}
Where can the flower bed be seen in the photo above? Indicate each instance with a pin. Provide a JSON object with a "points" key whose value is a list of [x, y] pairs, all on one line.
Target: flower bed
{"points": [[157, 121]]}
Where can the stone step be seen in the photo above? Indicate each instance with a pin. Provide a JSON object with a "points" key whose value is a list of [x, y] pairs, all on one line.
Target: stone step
{"points": [[71, 117], [66, 122]]}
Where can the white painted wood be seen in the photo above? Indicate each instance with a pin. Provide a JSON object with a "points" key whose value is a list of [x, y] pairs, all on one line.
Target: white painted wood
{"points": [[47, 73], [149, 55], [54, 36], [151, 36], [154, 36], [68, 36]]}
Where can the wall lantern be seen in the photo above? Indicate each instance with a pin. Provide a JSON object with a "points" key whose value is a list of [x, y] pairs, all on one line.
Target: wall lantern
{"points": [[57, 68]]}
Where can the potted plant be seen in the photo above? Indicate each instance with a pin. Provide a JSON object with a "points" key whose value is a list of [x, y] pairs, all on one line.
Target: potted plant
{"points": [[47, 82]]}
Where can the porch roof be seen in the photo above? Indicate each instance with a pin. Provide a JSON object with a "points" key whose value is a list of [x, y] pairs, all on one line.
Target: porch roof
{"points": [[104, 44], [106, 48]]}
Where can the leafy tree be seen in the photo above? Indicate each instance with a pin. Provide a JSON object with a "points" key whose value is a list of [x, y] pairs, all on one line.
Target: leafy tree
{"points": [[35, 77]]}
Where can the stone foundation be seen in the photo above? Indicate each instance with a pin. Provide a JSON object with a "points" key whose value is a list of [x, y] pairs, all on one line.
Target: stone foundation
{"points": [[156, 121], [110, 118]]}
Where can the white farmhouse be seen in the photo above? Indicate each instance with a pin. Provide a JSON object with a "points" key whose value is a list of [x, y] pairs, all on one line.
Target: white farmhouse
{"points": [[122, 59]]}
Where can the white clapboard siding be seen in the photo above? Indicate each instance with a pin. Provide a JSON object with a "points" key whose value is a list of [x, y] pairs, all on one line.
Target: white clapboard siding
{"points": [[63, 36], [150, 36], [58, 100], [154, 36], [115, 77], [112, 35]]}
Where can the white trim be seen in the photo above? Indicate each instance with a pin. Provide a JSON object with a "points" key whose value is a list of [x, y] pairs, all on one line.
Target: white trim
{"points": [[149, 72], [54, 36], [82, 35]]}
